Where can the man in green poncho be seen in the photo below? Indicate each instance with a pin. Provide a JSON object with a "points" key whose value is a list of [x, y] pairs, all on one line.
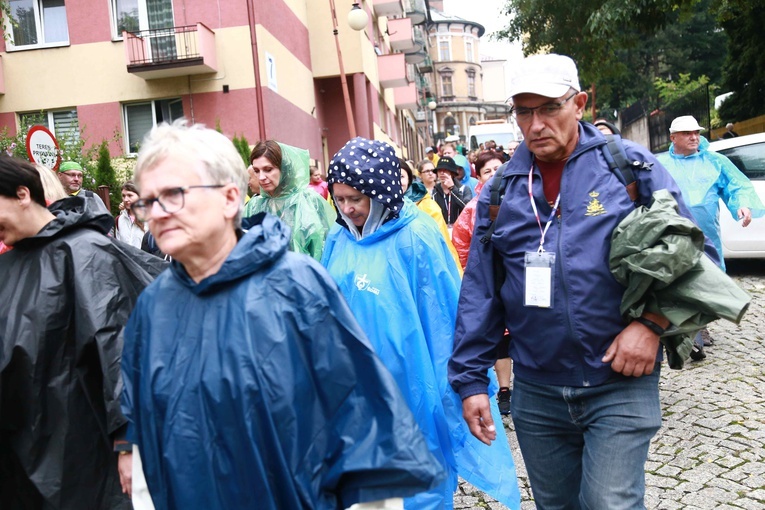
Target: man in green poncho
{"points": [[283, 175]]}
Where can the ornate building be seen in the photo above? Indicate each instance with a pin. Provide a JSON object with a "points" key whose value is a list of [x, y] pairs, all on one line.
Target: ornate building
{"points": [[458, 76]]}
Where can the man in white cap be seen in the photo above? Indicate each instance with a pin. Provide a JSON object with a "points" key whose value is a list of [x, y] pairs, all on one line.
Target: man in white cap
{"points": [[585, 401], [705, 177]]}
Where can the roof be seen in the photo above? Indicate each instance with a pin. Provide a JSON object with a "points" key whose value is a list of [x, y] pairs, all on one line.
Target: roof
{"points": [[440, 17]]}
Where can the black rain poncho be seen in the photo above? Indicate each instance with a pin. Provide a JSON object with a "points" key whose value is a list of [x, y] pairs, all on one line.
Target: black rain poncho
{"points": [[66, 294], [659, 256]]}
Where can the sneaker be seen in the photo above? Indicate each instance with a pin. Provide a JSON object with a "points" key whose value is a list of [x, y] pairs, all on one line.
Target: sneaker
{"points": [[697, 353], [503, 400], [707, 338]]}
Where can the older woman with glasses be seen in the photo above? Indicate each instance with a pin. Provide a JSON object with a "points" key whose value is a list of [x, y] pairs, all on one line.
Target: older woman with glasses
{"points": [[248, 383]]}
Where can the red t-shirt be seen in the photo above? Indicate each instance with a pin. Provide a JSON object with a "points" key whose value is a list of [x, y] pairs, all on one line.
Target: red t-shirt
{"points": [[551, 175]]}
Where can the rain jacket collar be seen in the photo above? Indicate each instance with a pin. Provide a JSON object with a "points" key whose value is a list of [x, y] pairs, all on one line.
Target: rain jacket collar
{"points": [[703, 149], [263, 244], [71, 213]]}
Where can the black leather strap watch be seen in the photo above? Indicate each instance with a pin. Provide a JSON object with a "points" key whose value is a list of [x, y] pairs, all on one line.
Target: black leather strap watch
{"points": [[651, 325]]}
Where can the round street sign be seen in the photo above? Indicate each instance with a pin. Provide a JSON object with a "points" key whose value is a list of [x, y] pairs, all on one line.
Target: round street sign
{"points": [[42, 147]]}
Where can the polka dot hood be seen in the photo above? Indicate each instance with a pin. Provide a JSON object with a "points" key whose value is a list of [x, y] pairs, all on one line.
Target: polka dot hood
{"points": [[372, 168]]}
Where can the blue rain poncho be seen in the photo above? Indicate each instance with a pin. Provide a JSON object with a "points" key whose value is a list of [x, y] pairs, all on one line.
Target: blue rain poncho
{"points": [[704, 178], [402, 284], [256, 389], [306, 212]]}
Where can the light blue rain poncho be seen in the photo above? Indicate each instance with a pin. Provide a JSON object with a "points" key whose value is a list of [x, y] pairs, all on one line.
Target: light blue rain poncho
{"points": [[302, 209], [402, 285], [704, 178]]}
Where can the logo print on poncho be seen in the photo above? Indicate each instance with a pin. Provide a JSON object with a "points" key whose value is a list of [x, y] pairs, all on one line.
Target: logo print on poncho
{"points": [[363, 283]]}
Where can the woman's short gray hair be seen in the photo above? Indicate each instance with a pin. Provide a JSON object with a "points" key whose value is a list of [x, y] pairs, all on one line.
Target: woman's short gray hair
{"points": [[222, 163]]}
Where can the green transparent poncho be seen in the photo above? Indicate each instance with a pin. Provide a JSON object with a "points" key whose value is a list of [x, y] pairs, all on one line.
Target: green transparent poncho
{"points": [[305, 211]]}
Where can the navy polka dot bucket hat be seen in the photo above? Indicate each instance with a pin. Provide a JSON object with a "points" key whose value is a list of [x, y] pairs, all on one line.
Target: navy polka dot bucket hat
{"points": [[370, 167]]}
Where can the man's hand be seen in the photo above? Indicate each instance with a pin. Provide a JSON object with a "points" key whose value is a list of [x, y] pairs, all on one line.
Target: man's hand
{"points": [[477, 414], [745, 214], [633, 351], [125, 468], [447, 182]]}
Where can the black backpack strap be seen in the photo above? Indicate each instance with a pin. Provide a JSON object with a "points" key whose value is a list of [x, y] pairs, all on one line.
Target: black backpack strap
{"points": [[617, 160], [495, 201]]}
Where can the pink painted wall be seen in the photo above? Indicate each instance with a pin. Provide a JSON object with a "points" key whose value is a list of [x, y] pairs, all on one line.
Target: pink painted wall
{"points": [[332, 119], [280, 21], [236, 112], [232, 14], [288, 124], [8, 121], [99, 122], [88, 21]]}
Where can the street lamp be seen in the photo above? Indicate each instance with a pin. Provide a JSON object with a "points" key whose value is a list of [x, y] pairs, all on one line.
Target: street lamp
{"points": [[358, 18], [355, 18]]}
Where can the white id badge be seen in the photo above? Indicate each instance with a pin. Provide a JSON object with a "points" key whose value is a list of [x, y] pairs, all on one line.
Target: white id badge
{"points": [[538, 279]]}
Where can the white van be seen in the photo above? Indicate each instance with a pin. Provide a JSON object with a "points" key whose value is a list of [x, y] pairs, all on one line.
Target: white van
{"points": [[499, 131]]}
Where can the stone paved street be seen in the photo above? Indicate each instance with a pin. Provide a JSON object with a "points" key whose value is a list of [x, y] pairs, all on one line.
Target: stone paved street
{"points": [[710, 451]]}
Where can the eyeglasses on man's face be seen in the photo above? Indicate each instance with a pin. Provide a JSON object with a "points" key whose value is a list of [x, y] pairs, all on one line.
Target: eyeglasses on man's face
{"points": [[171, 200], [546, 110]]}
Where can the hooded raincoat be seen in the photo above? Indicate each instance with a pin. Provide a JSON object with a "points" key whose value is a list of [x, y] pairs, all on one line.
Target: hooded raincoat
{"points": [[402, 285], [66, 294], [704, 178], [256, 389], [308, 214], [418, 194], [462, 231]]}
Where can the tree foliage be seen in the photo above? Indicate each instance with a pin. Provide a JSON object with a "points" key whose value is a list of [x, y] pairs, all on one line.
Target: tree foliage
{"points": [[744, 69], [623, 47], [105, 175]]}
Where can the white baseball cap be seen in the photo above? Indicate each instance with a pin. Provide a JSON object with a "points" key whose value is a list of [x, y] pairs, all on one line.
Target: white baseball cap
{"points": [[548, 75], [685, 123]]}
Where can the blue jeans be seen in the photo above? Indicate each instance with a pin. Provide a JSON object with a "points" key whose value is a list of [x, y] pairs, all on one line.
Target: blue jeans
{"points": [[586, 448]]}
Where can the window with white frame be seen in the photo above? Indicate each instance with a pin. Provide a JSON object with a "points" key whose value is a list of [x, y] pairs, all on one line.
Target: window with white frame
{"points": [[141, 117], [36, 23], [469, 49], [471, 84], [137, 15], [444, 48], [125, 17], [62, 123], [446, 85]]}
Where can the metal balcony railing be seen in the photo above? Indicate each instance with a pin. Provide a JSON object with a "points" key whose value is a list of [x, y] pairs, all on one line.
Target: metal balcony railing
{"points": [[163, 45]]}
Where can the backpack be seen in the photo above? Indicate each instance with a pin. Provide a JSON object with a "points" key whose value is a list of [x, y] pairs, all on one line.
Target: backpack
{"points": [[616, 157]]}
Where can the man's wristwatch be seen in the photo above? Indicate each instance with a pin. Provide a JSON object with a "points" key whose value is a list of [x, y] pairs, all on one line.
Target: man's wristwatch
{"points": [[651, 325]]}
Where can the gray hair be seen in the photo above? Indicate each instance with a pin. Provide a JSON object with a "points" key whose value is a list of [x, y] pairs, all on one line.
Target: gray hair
{"points": [[222, 163]]}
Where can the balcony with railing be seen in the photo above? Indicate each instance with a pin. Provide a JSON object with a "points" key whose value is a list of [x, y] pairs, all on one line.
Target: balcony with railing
{"points": [[172, 51], [388, 8], [400, 34], [392, 70]]}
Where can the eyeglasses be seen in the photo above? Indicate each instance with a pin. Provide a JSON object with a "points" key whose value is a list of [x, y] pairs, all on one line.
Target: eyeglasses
{"points": [[427, 172], [171, 201], [73, 175], [546, 110]]}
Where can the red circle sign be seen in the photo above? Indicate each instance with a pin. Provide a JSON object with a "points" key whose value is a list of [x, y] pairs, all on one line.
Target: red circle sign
{"points": [[42, 147]]}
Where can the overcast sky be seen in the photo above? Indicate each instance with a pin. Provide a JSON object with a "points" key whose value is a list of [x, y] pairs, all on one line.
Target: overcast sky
{"points": [[487, 13]]}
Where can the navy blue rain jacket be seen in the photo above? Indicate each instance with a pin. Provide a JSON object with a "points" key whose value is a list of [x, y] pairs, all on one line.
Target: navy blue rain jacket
{"points": [[256, 389], [564, 344]]}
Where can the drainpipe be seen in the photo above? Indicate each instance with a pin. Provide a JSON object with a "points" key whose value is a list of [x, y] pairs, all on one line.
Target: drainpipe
{"points": [[256, 65]]}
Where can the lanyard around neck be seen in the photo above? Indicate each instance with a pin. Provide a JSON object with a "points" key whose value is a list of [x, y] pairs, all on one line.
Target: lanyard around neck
{"points": [[542, 232]]}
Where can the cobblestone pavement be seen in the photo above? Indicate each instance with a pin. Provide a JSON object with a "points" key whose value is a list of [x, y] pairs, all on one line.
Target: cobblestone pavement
{"points": [[710, 451]]}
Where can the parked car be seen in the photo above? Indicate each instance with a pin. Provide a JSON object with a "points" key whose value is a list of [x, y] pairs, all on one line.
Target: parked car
{"points": [[748, 154]]}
